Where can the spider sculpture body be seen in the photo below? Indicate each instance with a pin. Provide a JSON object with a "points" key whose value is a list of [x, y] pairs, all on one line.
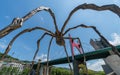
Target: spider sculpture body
{"points": [[59, 34], [59, 38]]}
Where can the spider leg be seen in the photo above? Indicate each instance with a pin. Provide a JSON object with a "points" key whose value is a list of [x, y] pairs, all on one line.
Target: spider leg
{"points": [[114, 8], [54, 19], [48, 54], [38, 67], [38, 46], [114, 49], [33, 12], [80, 52], [72, 28], [83, 56], [18, 22], [68, 58], [22, 32]]}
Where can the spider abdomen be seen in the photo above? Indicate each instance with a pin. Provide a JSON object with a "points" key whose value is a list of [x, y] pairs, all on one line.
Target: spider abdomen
{"points": [[59, 38], [60, 41]]}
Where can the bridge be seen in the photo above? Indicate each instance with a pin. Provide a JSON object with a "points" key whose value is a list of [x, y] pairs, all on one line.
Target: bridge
{"points": [[101, 53], [97, 54]]}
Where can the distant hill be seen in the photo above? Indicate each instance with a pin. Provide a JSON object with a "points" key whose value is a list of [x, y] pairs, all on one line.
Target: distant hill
{"points": [[66, 71], [54, 70], [9, 58]]}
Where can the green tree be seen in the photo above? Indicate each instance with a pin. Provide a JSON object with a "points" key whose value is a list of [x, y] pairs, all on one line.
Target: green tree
{"points": [[3, 71], [64, 71], [25, 71], [9, 71], [14, 71], [60, 71]]}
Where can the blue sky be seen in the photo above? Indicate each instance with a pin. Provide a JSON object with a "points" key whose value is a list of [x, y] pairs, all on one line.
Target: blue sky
{"points": [[24, 47]]}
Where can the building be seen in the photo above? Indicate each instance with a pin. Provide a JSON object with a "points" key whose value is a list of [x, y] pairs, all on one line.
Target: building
{"points": [[15, 65], [99, 44]]}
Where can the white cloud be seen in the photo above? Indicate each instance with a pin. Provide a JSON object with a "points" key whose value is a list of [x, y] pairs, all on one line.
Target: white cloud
{"points": [[116, 39], [116, 1], [65, 65], [43, 57], [7, 17], [3, 44], [96, 66], [26, 47], [42, 19]]}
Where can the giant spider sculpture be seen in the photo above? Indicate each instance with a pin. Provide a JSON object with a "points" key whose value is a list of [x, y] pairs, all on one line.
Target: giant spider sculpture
{"points": [[59, 35]]}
